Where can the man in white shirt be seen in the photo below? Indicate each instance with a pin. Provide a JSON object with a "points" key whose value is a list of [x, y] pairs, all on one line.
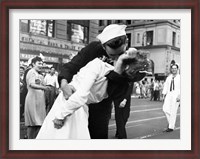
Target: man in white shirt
{"points": [[171, 93], [51, 80]]}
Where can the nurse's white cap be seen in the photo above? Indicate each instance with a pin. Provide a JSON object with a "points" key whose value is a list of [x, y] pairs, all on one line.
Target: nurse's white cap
{"points": [[111, 31]]}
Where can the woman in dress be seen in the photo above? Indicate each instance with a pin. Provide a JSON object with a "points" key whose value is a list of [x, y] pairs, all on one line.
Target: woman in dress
{"points": [[35, 112]]}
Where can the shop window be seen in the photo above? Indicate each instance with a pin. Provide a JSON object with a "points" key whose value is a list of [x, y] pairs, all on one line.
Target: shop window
{"points": [[42, 27], [149, 37], [77, 33]]}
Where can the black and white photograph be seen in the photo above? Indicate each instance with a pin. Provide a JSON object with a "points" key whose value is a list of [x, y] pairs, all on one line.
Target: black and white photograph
{"points": [[100, 79], [105, 80]]}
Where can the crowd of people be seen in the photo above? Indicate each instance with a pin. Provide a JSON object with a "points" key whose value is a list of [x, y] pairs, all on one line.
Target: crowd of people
{"points": [[77, 103], [149, 89]]}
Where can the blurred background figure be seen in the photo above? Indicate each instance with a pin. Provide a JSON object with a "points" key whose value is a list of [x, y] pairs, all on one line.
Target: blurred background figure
{"points": [[137, 89], [51, 80], [156, 90], [151, 87], [25, 90], [143, 89], [160, 98], [22, 92]]}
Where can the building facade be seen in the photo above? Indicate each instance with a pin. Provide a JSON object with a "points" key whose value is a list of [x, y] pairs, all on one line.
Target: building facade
{"points": [[161, 38], [57, 40]]}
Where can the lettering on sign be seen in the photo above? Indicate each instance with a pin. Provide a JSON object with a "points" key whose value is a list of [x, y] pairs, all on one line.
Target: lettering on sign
{"points": [[47, 59]]}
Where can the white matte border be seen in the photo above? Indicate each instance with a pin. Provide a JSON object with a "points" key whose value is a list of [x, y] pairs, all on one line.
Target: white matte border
{"points": [[184, 143]]}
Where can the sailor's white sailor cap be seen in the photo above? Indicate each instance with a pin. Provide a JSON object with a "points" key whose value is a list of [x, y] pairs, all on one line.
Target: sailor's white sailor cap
{"points": [[111, 31]]}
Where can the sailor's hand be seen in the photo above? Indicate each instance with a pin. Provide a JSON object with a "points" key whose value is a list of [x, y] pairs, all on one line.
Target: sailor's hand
{"points": [[67, 89], [123, 103]]}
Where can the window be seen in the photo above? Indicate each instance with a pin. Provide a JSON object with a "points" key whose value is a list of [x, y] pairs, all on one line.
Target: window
{"points": [[69, 32], [118, 21], [173, 38], [149, 20], [178, 39], [149, 38], [42, 27], [50, 28], [101, 23], [109, 22], [128, 22], [24, 26], [24, 21], [77, 33], [138, 37], [129, 39]]}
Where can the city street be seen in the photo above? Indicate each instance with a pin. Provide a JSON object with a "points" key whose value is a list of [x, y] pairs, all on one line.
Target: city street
{"points": [[146, 121]]}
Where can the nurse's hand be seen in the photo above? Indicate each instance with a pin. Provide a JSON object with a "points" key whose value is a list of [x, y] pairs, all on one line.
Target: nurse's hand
{"points": [[129, 54], [67, 89]]}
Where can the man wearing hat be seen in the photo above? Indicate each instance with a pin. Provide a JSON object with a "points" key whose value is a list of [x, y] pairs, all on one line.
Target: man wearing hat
{"points": [[171, 93], [112, 43]]}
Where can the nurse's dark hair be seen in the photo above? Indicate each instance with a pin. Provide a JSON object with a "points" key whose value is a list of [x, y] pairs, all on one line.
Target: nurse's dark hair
{"points": [[35, 59], [134, 65], [116, 42]]}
